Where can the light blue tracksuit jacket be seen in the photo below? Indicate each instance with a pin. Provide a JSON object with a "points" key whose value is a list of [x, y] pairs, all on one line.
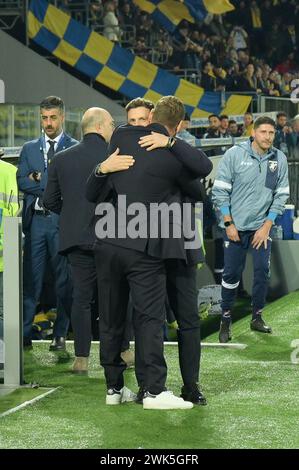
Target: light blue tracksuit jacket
{"points": [[251, 188]]}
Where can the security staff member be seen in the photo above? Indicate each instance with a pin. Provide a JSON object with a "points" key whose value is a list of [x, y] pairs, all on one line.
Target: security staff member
{"points": [[8, 207]]}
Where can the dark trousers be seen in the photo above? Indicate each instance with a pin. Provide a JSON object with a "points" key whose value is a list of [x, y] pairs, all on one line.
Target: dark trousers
{"points": [[41, 244], [84, 279], [234, 263], [182, 295], [119, 272]]}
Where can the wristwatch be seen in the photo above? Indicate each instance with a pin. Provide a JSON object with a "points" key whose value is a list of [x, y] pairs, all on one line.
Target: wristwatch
{"points": [[228, 223]]}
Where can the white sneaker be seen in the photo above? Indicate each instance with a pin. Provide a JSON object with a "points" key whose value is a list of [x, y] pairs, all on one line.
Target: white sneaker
{"points": [[165, 401], [116, 397]]}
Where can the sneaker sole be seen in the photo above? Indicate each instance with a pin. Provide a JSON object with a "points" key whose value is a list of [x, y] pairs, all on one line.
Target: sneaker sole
{"points": [[167, 407], [112, 402]]}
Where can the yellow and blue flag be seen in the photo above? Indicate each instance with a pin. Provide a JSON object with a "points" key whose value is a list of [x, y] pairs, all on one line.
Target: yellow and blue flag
{"points": [[116, 67], [169, 13]]}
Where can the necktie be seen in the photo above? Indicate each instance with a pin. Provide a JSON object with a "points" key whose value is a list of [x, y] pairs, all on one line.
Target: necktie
{"points": [[51, 150]]}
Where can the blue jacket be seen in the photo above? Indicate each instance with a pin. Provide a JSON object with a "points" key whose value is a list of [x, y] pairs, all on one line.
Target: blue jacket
{"points": [[251, 188], [32, 159]]}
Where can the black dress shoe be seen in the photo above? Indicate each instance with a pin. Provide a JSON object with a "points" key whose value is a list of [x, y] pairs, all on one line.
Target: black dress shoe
{"points": [[140, 396], [27, 343], [225, 333], [194, 395], [58, 344], [258, 324]]}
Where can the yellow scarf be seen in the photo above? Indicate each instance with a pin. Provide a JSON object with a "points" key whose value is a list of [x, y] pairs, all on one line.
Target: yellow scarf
{"points": [[256, 17]]}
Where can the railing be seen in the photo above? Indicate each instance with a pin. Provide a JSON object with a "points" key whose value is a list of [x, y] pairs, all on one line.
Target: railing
{"points": [[78, 10], [10, 12], [192, 75], [239, 118], [126, 34], [11, 6], [21, 122], [269, 103]]}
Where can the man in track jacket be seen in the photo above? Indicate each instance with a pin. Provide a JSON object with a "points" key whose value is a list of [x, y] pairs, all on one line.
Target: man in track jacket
{"points": [[250, 189]]}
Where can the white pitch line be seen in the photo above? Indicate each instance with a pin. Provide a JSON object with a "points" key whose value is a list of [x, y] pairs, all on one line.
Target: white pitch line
{"points": [[213, 345], [171, 343], [245, 361], [27, 403]]}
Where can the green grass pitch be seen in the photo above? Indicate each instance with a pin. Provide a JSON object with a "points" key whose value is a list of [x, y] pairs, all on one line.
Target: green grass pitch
{"points": [[253, 398]]}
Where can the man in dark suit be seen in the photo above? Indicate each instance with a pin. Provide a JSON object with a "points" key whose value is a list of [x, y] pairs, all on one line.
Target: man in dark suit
{"points": [[41, 226], [65, 195], [137, 261], [181, 284]]}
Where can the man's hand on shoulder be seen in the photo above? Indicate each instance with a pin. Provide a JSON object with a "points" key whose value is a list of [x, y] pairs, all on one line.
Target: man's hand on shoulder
{"points": [[154, 141], [115, 162]]}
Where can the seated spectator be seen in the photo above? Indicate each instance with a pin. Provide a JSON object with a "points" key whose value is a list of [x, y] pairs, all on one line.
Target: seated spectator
{"points": [[207, 78], [127, 17], [283, 140], [261, 84], [248, 124], [233, 129], [233, 55], [140, 49], [286, 84], [214, 128], [95, 14], [224, 122], [294, 136], [243, 59], [273, 84], [144, 27], [220, 78], [247, 81], [288, 65], [239, 37]]}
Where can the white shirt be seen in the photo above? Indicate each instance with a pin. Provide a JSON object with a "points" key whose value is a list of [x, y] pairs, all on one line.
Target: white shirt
{"points": [[57, 139]]}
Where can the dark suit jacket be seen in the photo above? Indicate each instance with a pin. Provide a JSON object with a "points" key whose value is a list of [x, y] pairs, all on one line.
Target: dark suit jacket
{"points": [[154, 178], [32, 159], [65, 191]]}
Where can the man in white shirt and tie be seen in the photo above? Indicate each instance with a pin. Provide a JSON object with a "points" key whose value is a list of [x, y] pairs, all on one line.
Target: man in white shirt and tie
{"points": [[41, 226]]}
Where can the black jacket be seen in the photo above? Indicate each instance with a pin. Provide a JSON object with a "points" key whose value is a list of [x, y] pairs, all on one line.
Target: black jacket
{"points": [[157, 176], [65, 191]]}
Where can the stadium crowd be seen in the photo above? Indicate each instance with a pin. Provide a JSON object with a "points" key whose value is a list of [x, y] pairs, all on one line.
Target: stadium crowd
{"points": [[254, 48]]}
